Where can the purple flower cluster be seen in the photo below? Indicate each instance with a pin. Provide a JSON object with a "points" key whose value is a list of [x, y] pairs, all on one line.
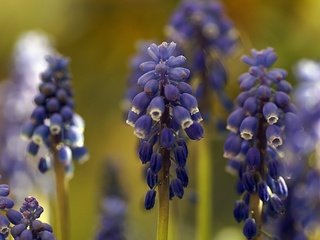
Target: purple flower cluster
{"points": [[53, 123], [159, 113], [27, 226], [205, 34], [262, 119]]}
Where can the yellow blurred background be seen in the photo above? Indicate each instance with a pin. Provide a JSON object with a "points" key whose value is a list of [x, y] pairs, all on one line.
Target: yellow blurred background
{"points": [[99, 37]]}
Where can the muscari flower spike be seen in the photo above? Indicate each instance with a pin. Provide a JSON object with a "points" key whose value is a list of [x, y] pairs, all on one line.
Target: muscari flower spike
{"points": [[160, 114], [259, 126], [53, 123], [205, 35], [26, 223]]}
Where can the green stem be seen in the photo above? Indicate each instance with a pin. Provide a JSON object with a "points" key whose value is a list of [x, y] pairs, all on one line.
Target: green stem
{"points": [[256, 211], [62, 201], [205, 182], [163, 190]]}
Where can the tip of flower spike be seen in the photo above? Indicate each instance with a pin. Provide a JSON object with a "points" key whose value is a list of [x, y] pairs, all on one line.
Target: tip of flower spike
{"points": [[266, 57]]}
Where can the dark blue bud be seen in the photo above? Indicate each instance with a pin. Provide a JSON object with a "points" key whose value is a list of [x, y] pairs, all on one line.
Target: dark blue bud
{"points": [[145, 78], [182, 142], [249, 182], [65, 155], [73, 137], [273, 135], [52, 105], [47, 89], [155, 162], [235, 119], [56, 122], [280, 188], [152, 178], [40, 134], [38, 115], [142, 127], [263, 191], [32, 148], [180, 156], [40, 99], [277, 74], [242, 97], [4, 190], [232, 146], [270, 113], [176, 61], [274, 168], [80, 154], [239, 187], [276, 204], [182, 116], [46, 235], [263, 92], [62, 96], [132, 118], [195, 131], [184, 87], [284, 86], [171, 92], [27, 130], [6, 203], [147, 66], [281, 99], [44, 164], [197, 117], [247, 81], [14, 216], [179, 73], [182, 175], [140, 102], [166, 138], [250, 105], [189, 102], [66, 113], [233, 166], [150, 199], [156, 108], [26, 235], [253, 158], [163, 51], [248, 127], [145, 151], [151, 87], [18, 229], [240, 210], [177, 188], [153, 52], [174, 126], [250, 228]]}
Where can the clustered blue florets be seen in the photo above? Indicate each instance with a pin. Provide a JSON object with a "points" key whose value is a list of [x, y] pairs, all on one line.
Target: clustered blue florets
{"points": [[160, 112], [204, 33], [259, 125], [53, 123], [26, 226]]}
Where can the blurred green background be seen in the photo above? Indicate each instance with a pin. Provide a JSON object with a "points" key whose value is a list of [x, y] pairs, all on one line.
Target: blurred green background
{"points": [[99, 37]]}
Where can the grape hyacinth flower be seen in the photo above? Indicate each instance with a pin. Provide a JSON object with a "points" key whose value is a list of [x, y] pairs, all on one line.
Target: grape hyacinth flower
{"points": [[16, 105], [26, 223], [205, 35], [53, 123], [55, 126], [160, 115], [113, 206], [259, 125], [6, 205]]}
